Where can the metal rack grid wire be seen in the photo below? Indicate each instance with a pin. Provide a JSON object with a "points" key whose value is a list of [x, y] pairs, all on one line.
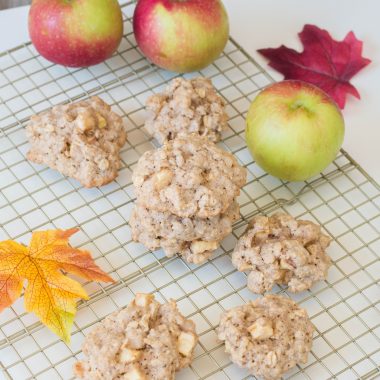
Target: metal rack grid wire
{"points": [[345, 308]]}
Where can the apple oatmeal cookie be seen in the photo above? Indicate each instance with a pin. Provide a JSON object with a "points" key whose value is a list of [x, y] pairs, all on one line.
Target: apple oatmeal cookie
{"points": [[145, 341], [186, 106], [194, 239], [189, 177], [282, 250], [81, 140], [267, 336]]}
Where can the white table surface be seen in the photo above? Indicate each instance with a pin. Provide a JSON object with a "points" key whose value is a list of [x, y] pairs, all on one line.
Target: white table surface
{"points": [[258, 24]]}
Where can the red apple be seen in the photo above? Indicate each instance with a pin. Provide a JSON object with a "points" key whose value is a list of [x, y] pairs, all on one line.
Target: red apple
{"points": [[181, 35], [294, 130], [75, 33]]}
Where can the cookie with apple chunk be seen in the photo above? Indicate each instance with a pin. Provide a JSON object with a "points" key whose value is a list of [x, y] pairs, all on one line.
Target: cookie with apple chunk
{"points": [[282, 250], [186, 106], [267, 336], [80, 140], [189, 177], [146, 340], [195, 239]]}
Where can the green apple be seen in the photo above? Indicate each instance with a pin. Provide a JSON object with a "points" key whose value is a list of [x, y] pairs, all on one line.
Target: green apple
{"points": [[294, 130]]}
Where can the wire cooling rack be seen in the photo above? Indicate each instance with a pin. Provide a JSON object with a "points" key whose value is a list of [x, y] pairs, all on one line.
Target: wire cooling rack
{"points": [[345, 308]]}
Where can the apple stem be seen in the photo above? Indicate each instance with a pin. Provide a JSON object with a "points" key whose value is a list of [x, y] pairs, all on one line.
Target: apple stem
{"points": [[296, 105]]}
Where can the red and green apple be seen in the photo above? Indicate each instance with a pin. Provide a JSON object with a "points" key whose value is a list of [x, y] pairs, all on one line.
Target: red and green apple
{"points": [[181, 35], [75, 33], [294, 130]]}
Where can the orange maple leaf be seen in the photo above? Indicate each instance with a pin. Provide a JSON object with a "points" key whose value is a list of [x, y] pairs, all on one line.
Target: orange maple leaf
{"points": [[50, 294]]}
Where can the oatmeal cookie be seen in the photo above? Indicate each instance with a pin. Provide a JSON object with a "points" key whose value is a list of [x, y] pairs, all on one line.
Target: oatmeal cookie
{"points": [[81, 140], [145, 341], [188, 177], [282, 250], [186, 106], [194, 239], [267, 336]]}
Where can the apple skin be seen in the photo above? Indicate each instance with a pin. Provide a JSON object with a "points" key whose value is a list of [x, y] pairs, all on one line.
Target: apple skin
{"points": [[75, 33], [181, 35], [294, 130]]}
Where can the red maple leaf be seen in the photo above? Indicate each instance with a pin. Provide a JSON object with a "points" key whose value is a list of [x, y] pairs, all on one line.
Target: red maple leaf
{"points": [[324, 62]]}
